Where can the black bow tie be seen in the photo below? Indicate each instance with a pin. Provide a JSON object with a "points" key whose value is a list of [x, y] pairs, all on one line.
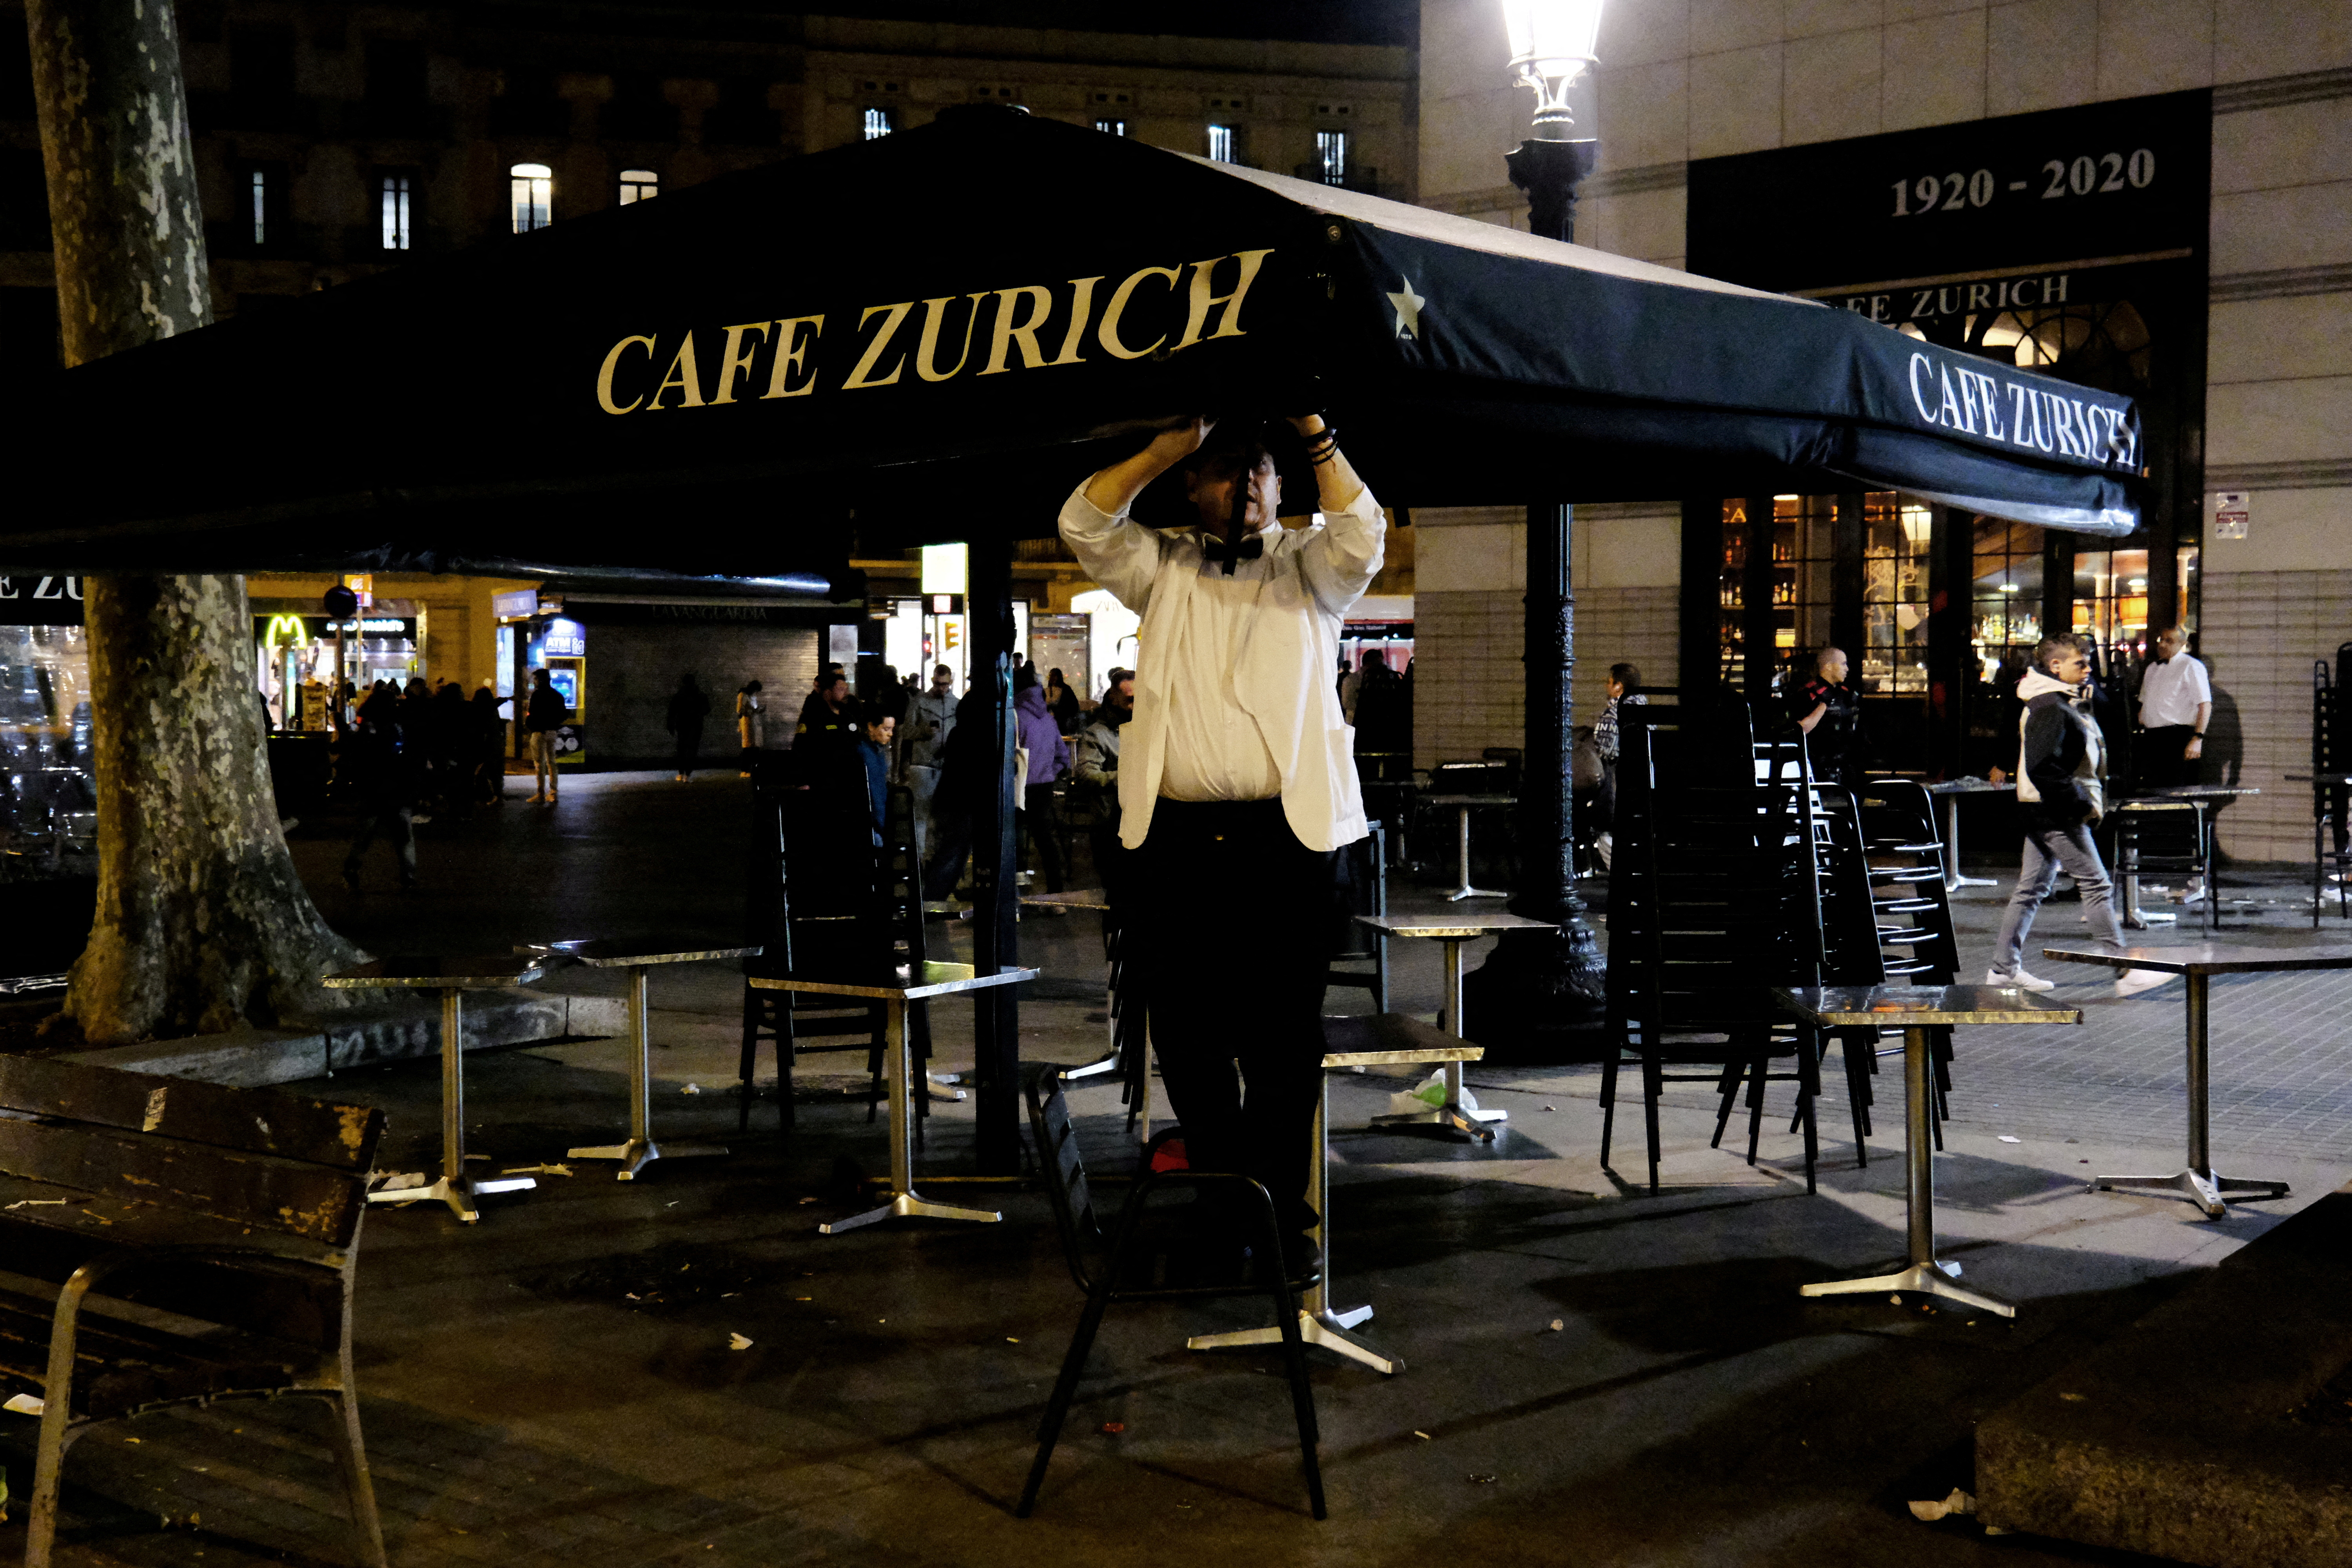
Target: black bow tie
{"points": [[1225, 554]]}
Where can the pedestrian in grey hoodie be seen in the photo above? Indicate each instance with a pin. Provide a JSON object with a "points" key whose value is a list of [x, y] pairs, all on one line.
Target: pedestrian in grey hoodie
{"points": [[2062, 773]]}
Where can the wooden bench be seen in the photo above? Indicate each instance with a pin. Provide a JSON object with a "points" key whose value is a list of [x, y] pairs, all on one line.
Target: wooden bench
{"points": [[164, 1242]]}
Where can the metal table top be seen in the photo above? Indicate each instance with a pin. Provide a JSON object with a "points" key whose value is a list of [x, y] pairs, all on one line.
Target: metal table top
{"points": [[626, 953], [1451, 925], [1909, 1006], [2188, 792], [2319, 778], [934, 980], [1970, 786], [1077, 899], [432, 972], [1390, 1039], [2208, 958], [1469, 800]]}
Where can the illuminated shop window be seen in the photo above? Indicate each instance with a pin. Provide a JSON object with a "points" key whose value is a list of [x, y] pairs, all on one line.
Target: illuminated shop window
{"points": [[640, 185]]}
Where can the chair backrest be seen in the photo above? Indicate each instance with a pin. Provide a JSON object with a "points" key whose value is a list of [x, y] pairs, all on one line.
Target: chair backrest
{"points": [[1365, 891], [1900, 812], [1707, 902], [270, 1161], [1066, 1172]]}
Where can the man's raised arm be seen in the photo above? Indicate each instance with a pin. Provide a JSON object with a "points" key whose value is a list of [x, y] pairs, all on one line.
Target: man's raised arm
{"points": [[1115, 551], [1342, 560]]}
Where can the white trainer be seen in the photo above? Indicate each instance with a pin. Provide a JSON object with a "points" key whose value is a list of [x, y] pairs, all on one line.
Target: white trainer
{"points": [[2132, 981], [2022, 980]]}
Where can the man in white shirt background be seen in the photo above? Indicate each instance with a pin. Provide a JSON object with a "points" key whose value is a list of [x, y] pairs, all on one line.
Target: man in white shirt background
{"points": [[2176, 702], [1237, 780]]}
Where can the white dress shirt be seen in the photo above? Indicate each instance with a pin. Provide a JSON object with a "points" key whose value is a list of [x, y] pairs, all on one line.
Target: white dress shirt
{"points": [[1233, 699], [2170, 692]]}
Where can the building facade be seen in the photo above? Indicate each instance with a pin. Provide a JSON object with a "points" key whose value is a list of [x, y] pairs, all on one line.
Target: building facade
{"points": [[2144, 194], [336, 141], [333, 141]]}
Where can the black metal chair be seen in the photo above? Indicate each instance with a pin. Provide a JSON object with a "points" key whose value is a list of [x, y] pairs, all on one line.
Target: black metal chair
{"points": [[1367, 893], [833, 906], [1708, 907], [1131, 1267]]}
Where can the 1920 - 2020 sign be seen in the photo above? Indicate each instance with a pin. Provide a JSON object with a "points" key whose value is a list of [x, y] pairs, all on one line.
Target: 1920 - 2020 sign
{"points": [[2102, 183]]}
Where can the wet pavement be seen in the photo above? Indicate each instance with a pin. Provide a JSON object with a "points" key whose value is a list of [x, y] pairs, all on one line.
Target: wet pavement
{"points": [[557, 1385]]}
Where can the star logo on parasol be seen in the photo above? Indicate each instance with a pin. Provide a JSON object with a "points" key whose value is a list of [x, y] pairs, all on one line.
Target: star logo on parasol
{"points": [[1408, 311]]}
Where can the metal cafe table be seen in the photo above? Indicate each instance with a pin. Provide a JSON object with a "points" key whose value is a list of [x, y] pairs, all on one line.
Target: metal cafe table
{"points": [[895, 988], [1453, 931], [2198, 1184], [1383, 1039], [1916, 1009], [1466, 802], [2195, 798], [1947, 795], [453, 977], [637, 957]]}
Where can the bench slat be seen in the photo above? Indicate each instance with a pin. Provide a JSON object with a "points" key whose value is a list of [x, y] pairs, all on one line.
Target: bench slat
{"points": [[120, 1367], [151, 1170], [253, 1122]]}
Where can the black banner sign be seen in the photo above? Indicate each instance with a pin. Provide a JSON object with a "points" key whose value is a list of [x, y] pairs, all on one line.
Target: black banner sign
{"points": [[2105, 182]]}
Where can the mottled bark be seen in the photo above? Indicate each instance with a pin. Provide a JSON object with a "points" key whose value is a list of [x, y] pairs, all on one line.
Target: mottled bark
{"points": [[202, 922]]}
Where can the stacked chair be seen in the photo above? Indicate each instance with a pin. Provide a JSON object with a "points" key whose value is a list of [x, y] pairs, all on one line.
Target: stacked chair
{"points": [[1709, 908], [1882, 841], [823, 902]]}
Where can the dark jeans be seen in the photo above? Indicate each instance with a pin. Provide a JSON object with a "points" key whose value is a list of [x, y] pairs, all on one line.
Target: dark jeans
{"points": [[1041, 821], [690, 746], [392, 820], [1230, 924], [2161, 755]]}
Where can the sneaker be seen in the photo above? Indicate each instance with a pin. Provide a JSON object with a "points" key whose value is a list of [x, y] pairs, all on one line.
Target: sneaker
{"points": [[2022, 981], [2132, 981]]}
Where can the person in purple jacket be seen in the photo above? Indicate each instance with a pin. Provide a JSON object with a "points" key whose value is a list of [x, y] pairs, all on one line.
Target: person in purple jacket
{"points": [[1049, 759]]}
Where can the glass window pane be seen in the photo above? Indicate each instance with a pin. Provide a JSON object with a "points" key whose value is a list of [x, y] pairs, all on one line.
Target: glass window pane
{"points": [[1895, 532], [2005, 602], [1731, 595]]}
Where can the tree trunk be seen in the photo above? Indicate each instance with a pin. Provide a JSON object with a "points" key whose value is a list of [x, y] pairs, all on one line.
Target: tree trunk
{"points": [[202, 922]]}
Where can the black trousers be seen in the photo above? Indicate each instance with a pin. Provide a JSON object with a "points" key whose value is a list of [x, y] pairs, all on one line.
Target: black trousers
{"points": [[2162, 755], [1230, 924], [1043, 828]]}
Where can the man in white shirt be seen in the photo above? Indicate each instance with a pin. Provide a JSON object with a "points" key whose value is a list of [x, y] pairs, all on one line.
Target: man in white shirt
{"points": [[1237, 780], [2176, 701]]}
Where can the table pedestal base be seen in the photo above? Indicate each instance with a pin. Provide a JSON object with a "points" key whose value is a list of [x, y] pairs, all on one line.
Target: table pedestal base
{"points": [[1451, 1115], [1925, 1275], [910, 1205], [639, 1152], [1107, 1062], [1464, 891], [2206, 1191], [1920, 1279], [457, 1192], [905, 1202], [1454, 1117], [1325, 1328]]}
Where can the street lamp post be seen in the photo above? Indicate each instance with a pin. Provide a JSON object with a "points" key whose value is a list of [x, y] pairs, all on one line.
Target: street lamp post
{"points": [[1541, 991]]}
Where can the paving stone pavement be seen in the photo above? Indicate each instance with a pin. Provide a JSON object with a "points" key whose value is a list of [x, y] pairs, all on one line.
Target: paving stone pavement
{"points": [[1594, 1376]]}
